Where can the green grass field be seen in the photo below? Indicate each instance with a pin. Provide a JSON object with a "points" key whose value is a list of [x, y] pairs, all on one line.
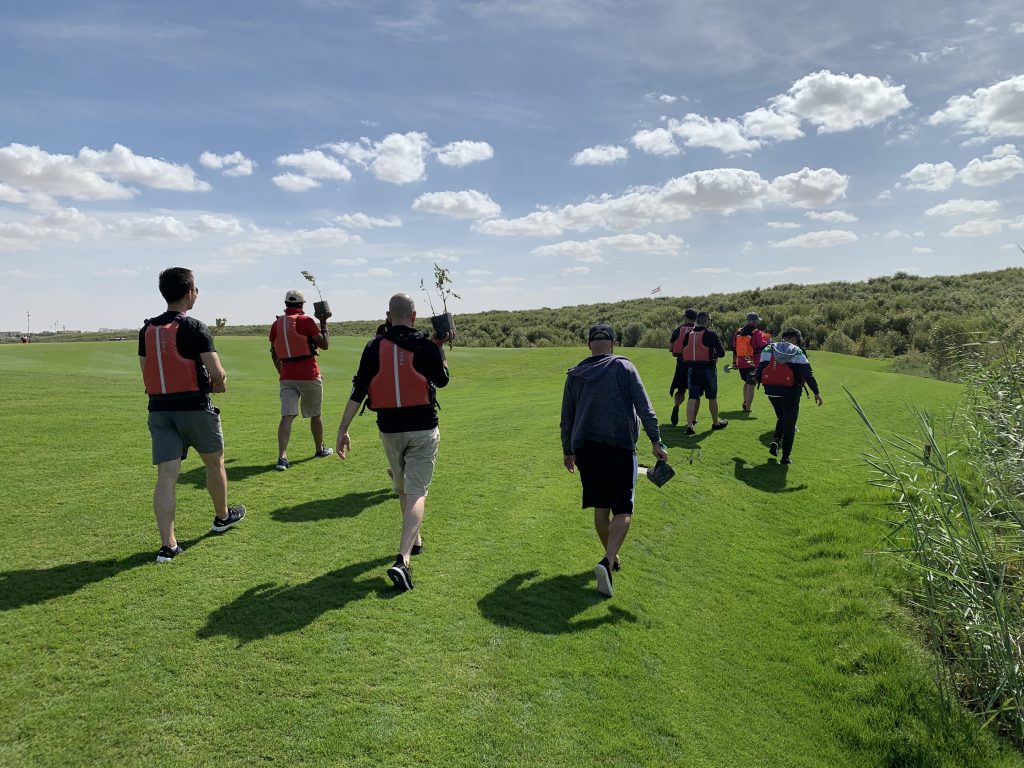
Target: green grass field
{"points": [[750, 624]]}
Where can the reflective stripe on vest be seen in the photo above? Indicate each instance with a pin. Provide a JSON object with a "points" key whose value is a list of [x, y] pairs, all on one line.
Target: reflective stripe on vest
{"points": [[289, 344], [694, 350], [397, 383], [165, 371]]}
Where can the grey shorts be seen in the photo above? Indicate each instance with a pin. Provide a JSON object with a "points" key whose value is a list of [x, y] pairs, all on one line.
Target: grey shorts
{"points": [[310, 392], [174, 432], [411, 456]]}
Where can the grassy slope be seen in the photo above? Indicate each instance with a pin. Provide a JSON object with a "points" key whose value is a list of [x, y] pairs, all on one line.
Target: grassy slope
{"points": [[748, 628]]}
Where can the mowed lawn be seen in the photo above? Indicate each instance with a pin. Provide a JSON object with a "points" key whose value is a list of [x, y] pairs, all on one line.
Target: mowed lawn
{"points": [[751, 626]]}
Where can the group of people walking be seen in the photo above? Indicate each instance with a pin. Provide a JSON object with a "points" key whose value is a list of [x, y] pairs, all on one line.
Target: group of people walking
{"points": [[604, 405], [780, 367]]}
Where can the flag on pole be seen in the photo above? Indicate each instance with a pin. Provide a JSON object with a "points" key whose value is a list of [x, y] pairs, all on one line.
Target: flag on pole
{"points": [[656, 290]]}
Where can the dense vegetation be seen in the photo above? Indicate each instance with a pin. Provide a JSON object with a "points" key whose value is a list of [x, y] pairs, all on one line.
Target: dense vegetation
{"points": [[902, 316]]}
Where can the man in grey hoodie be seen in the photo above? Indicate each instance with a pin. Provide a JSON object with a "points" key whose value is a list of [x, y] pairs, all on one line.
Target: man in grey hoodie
{"points": [[603, 404], [784, 371]]}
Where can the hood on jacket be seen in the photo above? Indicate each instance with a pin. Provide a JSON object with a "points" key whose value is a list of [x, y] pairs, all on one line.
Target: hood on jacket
{"points": [[593, 368], [785, 352]]}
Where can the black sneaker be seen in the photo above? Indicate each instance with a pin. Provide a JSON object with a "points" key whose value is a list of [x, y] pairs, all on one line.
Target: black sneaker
{"points": [[604, 577], [721, 424], [689, 431], [674, 419], [323, 453], [235, 515], [773, 449], [401, 575], [417, 548], [282, 464], [166, 554], [618, 565], [785, 460]]}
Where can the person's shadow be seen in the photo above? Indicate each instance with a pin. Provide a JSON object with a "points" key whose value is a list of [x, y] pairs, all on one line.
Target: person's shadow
{"points": [[236, 473], [547, 607], [32, 586], [770, 477], [676, 437], [269, 609], [349, 505]]}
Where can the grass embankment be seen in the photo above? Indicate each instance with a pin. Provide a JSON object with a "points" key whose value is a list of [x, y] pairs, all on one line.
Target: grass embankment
{"points": [[748, 626]]}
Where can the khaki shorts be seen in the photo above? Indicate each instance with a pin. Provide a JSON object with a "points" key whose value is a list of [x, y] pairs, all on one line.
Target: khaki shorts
{"points": [[309, 391], [174, 432], [411, 456]]}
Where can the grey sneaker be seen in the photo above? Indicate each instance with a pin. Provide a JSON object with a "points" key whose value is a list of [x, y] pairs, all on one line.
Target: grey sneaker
{"points": [[282, 464], [235, 515], [323, 453]]}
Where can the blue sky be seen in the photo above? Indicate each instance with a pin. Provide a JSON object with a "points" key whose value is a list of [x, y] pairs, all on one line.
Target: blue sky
{"points": [[547, 152]]}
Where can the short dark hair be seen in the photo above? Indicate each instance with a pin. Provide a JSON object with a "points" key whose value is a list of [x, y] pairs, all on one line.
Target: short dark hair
{"points": [[295, 304], [690, 314], [793, 333], [703, 318], [175, 282]]}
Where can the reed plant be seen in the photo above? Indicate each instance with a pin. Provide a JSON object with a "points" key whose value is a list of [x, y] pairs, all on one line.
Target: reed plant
{"points": [[958, 527]]}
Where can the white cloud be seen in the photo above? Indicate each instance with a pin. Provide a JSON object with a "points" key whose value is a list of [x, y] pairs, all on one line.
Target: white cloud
{"points": [[725, 135], [895, 234], [765, 123], [976, 228], [921, 249], [233, 164], [293, 182], [932, 177], [400, 158], [602, 154], [1003, 150], [826, 238], [265, 242], [987, 173], [477, 272], [90, 175], [784, 225], [363, 221], [314, 164], [376, 272], [461, 153], [997, 110], [710, 270], [841, 217], [656, 141], [152, 228], [9, 194], [721, 190], [580, 270], [348, 262], [1017, 27], [467, 204], [960, 206], [842, 102], [784, 271], [926, 57], [208, 224], [581, 249]]}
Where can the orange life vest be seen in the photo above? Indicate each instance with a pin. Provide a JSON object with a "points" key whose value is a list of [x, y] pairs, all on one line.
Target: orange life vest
{"points": [[777, 374], [397, 384], [693, 349], [289, 344], [165, 371], [677, 346]]}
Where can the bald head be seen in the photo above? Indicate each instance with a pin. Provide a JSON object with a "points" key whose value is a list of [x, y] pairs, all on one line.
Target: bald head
{"points": [[401, 309]]}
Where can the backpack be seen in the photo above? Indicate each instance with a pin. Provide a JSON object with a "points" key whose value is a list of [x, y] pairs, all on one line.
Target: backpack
{"points": [[777, 374]]}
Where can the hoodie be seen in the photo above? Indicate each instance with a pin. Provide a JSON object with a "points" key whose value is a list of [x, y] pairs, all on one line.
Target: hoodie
{"points": [[785, 352], [604, 401]]}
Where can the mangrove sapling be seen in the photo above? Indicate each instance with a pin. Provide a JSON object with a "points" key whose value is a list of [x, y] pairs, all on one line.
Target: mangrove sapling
{"points": [[444, 323], [321, 309]]}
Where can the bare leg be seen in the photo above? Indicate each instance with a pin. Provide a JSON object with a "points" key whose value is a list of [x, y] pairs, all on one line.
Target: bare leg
{"points": [[678, 397], [164, 500], [617, 530], [601, 517], [412, 519], [691, 410], [748, 395], [316, 425], [216, 482], [713, 408], [284, 433]]}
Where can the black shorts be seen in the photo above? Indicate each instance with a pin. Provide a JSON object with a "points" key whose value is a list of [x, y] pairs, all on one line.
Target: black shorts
{"points": [[679, 381], [703, 382], [609, 477], [747, 374]]}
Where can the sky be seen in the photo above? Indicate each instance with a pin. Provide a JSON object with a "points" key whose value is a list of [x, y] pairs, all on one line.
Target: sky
{"points": [[546, 152]]}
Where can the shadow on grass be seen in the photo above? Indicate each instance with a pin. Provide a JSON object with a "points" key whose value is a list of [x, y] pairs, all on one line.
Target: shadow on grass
{"points": [[269, 609], [349, 505], [770, 477], [197, 475], [29, 587], [547, 606], [766, 438]]}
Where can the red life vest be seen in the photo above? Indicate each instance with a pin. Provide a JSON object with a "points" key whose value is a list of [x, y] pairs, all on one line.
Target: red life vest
{"points": [[165, 371], [693, 349], [397, 384], [777, 374], [677, 346], [289, 344]]}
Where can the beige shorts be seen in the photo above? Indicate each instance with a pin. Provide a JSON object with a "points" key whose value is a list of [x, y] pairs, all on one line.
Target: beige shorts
{"points": [[411, 456], [309, 391]]}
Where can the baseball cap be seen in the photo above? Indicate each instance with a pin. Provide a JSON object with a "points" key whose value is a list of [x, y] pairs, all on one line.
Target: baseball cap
{"points": [[294, 296], [601, 332], [753, 317]]}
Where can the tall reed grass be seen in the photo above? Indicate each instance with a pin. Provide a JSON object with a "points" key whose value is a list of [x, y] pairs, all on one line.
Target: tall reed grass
{"points": [[958, 528]]}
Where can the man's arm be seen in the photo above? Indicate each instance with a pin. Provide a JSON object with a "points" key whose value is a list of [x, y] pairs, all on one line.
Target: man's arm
{"points": [[644, 409], [322, 339], [565, 425], [344, 443], [368, 367], [274, 357], [218, 377]]}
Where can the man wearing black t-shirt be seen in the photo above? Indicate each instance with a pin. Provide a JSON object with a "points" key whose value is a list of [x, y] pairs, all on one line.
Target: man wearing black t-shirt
{"points": [[399, 372], [181, 369]]}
